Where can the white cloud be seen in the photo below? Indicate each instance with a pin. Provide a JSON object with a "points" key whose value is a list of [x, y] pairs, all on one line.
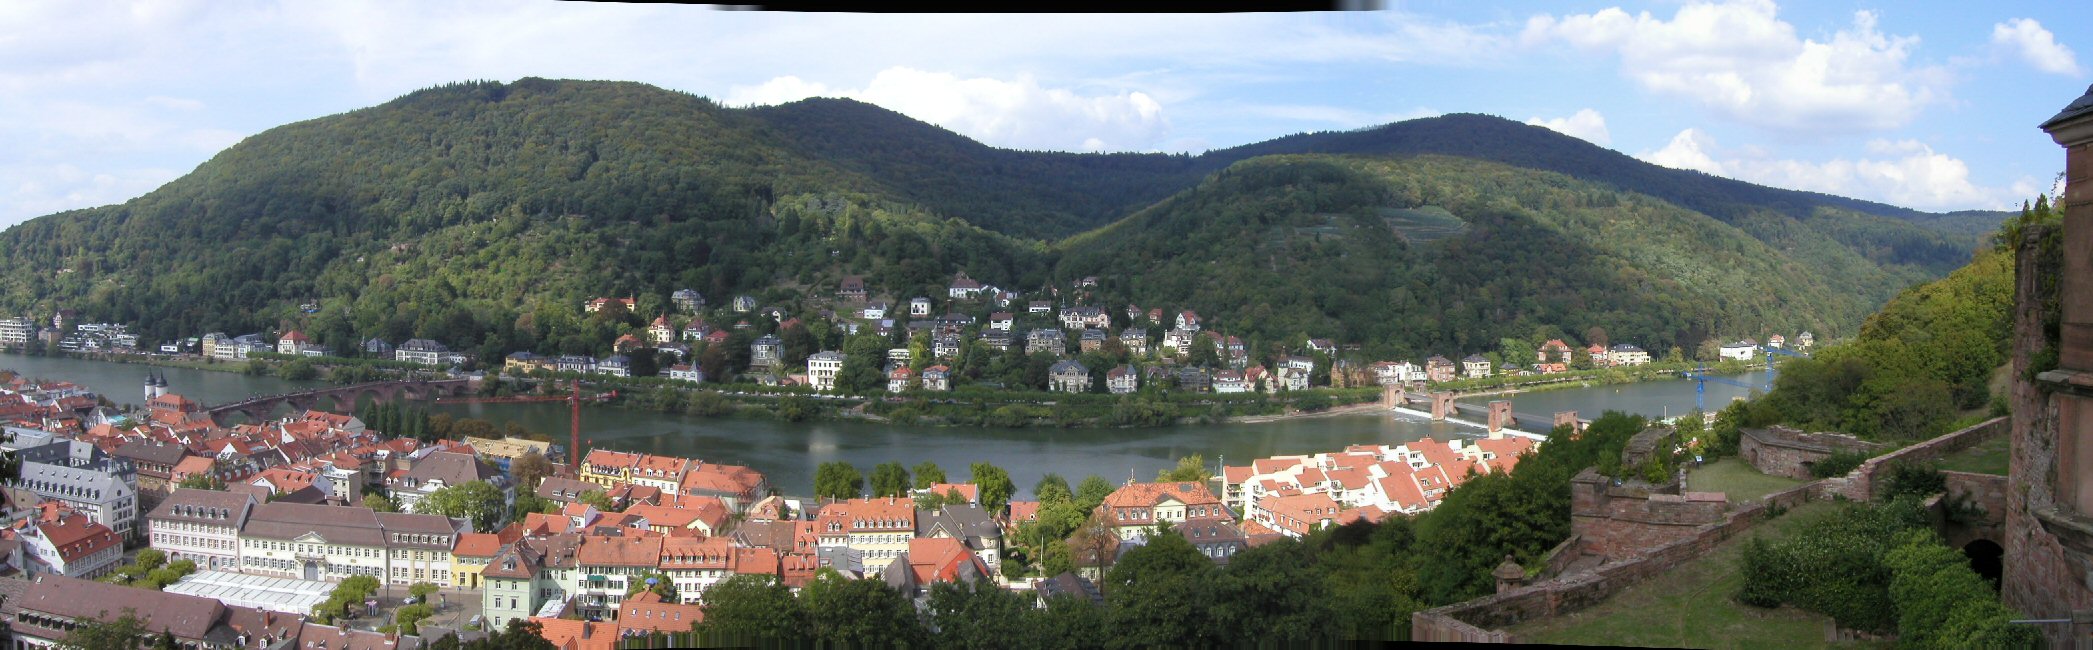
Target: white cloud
{"points": [[37, 190], [2026, 38], [1742, 60], [1018, 113], [1907, 173], [1586, 124], [1687, 150]]}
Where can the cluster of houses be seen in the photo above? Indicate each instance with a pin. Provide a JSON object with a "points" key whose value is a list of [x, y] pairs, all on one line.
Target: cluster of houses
{"points": [[284, 504]]}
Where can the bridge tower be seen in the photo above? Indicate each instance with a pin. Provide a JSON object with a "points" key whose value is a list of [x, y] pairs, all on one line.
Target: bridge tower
{"points": [[1442, 405], [1501, 415]]}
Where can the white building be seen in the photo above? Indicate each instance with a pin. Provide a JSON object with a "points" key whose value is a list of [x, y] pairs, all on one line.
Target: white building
{"points": [[202, 526], [822, 368], [16, 332], [422, 351], [1739, 351]]}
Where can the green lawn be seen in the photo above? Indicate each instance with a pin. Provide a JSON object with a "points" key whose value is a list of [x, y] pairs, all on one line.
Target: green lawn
{"points": [[1740, 481], [1690, 607], [1988, 457]]}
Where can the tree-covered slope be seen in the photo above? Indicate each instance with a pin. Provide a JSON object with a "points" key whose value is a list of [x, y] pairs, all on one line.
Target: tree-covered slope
{"points": [[1437, 254], [1025, 193], [483, 213], [447, 211]]}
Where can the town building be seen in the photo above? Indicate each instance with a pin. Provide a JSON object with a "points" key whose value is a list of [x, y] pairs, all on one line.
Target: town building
{"points": [[1626, 355], [767, 352], [1135, 508], [422, 351], [319, 542], [65, 543], [90, 489], [1068, 376], [687, 301], [879, 529], [822, 368], [201, 526], [293, 342], [1474, 366], [1744, 350], [1046, 339]]}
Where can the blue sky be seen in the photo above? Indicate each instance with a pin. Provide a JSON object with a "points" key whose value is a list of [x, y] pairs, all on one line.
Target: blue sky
{"points": [[1930, 105]]}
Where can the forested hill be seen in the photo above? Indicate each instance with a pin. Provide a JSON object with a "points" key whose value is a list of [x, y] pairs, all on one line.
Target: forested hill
{"points": [[1428, 250], [482, 213]]}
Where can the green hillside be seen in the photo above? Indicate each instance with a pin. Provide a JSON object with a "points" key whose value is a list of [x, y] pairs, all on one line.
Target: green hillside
{"points": [[1434, 253], [481, 214]]}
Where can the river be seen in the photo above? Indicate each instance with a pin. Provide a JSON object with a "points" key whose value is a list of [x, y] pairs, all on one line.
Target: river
{"points": [[789, 453]]}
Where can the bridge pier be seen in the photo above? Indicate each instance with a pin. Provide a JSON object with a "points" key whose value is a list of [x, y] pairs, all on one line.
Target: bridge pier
{"points": [[1570, 418], [1501, 415], [1442, 405]]}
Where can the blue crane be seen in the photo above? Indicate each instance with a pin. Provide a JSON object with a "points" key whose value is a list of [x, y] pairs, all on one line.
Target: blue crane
{"points": [[1701, 378], [1771, 352]]}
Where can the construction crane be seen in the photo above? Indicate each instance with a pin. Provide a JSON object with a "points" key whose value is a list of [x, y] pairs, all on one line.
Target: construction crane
{"points": [[1701, 378], [1772, 352]]}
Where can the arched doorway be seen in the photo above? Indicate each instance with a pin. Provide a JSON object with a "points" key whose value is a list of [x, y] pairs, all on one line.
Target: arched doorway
{"points": [[1987, 558]]}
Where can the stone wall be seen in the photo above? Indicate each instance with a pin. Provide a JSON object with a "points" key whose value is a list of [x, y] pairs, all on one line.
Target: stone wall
{"points": [[1860, 484], [1483, 620], [2043, 579], [1615, 521], [1780, 451], [1974, 508]]}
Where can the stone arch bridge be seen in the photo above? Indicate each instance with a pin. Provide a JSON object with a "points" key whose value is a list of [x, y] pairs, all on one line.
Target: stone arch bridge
{"points": [[1498, 414], [259, 408]]}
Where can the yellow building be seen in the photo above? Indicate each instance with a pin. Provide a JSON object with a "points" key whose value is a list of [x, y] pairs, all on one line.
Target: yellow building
{"points": [[470, 557], [608, 468]]}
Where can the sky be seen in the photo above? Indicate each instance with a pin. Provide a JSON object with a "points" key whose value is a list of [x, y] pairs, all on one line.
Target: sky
{"points": [[1926, 105]]}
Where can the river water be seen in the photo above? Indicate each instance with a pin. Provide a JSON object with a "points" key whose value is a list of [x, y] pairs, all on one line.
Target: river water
{"points": [[788, 453]]}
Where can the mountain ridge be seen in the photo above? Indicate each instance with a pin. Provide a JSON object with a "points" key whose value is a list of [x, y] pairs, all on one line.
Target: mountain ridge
{"points": [[482, 213]]}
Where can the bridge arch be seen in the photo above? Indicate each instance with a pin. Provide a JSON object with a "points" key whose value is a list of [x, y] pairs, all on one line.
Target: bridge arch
{"points": [[1987, 558]]}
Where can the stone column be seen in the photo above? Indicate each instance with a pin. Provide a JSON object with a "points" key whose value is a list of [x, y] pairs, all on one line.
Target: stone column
{"points": [[2073, 128]]}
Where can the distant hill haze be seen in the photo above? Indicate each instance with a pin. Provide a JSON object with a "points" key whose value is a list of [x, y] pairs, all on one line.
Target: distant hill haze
{"points": [[482, 214]]}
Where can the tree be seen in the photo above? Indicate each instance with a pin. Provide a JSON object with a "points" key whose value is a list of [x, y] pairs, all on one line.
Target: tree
{"points": [[1189, 469], [994, 485], [1051, 490], [654, 581], [520, 634], [150, 559], [407, 618], [380, 503], [862, 613], [1271, 594], [838, 480], [1519, 351], [421, 591], [928, 474], [890, 479], [749, 608], [599, 499], [125, 632], [477, 501], [1160, 594], [979, 614], [1092, 492], [204, 481], [529, 469]]}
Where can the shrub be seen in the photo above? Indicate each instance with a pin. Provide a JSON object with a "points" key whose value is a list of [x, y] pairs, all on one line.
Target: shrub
{"points": [[1832, 566], [1941, 603], [1914, 480], [1838, 464]]}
